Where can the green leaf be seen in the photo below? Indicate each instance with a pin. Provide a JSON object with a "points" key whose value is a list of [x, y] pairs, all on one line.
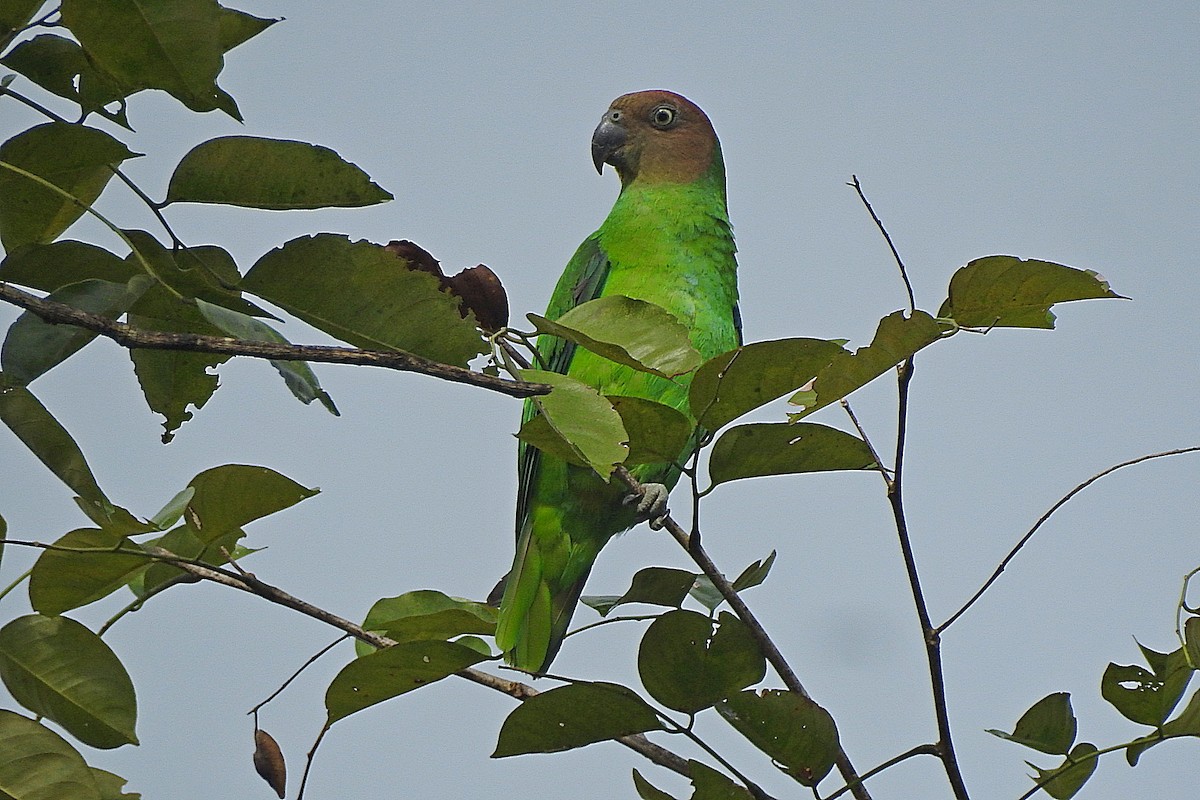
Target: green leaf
{"points": [[706, 593], [687, 667], [233, 495], [14, 15], [1186, 724], [476, 644], [1006, 292], [1049, 725], [1147, 696], [33, 346], [63, 580], [646, 790], [169, 514], [38, 764], [60, 66], [173, 45], [207, 272], [427, 614], [896, 339], [297, 375], [394, 671], [657, 586], [362, 294], [578, 422], [632, 332], [572, 716], [712, 785], [112, 786], [782, 448], [754, 574], [238, 27], [277, 174], [737, 382], [183, 542], [173, 380], [795, 732], [50, 267], [49, 441], [657, 432], [59, 669], [1064, 781], [77, 159]]}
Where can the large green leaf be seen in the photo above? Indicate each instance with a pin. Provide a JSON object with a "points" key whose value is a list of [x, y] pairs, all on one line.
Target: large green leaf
{"points": [[1065, 780], [896, 339], [688, 667], [394, 671], [77, 159], [1186, 724], [112, 787], [632, 332], [572, 716], [297, 375], [50, 267], [782, 448], [38, 764], [64, 580], [742, 380], [59, 669], [60, 66], [795, 732], [577, 423], [362, 294], [1147, 696], [173, 45], [657, 586], [657, 433], [1006, 292], [270, 173], [427, 614], [1049, 725], [33, 346], [49, 441], [233, 495]]}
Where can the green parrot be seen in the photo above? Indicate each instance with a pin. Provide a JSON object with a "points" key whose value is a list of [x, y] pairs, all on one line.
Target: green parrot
{"points": [[667, 241]]}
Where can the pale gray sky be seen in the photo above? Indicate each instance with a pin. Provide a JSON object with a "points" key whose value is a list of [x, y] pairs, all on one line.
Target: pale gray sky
{"points": [[1038, 130]]}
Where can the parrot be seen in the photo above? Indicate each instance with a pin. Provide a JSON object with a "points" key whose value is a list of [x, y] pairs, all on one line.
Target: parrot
{"points": [[666, 241]]}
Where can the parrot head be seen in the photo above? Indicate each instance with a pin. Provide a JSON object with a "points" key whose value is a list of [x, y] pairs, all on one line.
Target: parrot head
{"points": [[655, 137]]}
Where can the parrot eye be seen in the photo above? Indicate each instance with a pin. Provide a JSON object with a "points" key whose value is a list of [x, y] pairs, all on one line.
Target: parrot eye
{"points": [[663, 117], [614, 116]]}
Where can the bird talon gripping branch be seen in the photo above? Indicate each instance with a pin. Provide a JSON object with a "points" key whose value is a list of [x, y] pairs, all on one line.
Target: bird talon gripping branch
{"points": [[667, 241]]}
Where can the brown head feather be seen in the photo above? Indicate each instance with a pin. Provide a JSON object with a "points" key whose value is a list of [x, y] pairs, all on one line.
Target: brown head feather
{"points": [[655, 136]]}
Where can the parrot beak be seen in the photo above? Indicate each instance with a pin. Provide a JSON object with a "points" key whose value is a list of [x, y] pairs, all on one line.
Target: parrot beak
{"points": [[606, 140]]}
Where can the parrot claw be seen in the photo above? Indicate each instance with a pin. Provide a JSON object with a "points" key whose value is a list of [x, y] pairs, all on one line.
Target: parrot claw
{"points": [[651, 504]]}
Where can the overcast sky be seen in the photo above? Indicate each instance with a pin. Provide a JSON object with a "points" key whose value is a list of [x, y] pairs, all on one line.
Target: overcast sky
{"points": [[1066, 135]]}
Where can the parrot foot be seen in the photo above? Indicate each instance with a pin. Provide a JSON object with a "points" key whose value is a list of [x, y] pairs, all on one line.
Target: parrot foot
{"points": [[651, 504]]}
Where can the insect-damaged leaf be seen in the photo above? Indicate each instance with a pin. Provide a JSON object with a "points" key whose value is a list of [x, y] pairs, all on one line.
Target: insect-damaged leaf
{"points": [[1006, 292]]}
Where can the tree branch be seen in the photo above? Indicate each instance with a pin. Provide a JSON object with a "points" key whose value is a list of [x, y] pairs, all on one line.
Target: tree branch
{"points": [[135, 338], [770, 650], [912, 300], [1062, 501]]}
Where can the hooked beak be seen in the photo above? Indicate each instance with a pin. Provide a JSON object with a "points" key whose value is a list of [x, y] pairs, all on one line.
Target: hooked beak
{"points": [[607, 139]]}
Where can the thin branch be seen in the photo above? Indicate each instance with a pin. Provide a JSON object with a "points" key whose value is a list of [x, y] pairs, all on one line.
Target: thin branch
{"points": [[610, 620], [912, 300], [252, 585], [933, 643], [1062, 501], [770, 650], [919, 750], [887, 479], [133, 338], [311, 660], [751, 786]]}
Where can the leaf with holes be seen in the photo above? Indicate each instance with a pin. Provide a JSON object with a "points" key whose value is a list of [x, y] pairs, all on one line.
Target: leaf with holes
{"points": [[572, 716]]}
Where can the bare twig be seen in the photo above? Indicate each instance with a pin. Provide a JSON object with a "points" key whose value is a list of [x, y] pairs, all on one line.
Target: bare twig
{"points": [[919, 750], [308, 663], [912, 300], [887, 479], [135, 338], [770, 650], [1062, 501]]}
